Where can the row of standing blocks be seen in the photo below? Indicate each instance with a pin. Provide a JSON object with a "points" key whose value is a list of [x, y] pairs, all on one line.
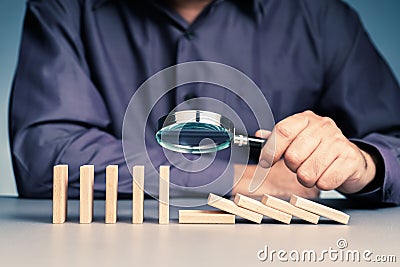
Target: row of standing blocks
{"points": [[242, 206], [60, 194]]}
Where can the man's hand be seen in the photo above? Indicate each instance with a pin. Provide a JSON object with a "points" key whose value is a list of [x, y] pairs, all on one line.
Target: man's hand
{"points": [[278, 181], [315, 149]]}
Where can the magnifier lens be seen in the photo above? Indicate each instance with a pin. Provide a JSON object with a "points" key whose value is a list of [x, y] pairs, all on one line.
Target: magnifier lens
{"points": [[194, 137]]}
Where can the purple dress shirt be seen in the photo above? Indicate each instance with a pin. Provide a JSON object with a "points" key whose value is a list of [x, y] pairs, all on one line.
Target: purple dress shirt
{"points": [[82, 60]]}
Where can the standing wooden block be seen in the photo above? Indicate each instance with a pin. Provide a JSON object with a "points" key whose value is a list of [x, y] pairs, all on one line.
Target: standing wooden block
{"points": [[284, 206], [86, 193], [111, 193], [230, 207], [256, 206], [163, 212], [320, 209], [60, 193], [205, 216], [138, 194]]}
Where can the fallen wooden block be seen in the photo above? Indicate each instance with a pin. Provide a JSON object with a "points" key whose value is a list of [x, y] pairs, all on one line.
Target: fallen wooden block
{"points": [[256, 206], [286, 207], [111, 193], [163, 212], [230, 207], [138, 194], [320, 209], [86, 193], [60, 193], [205, 216]]}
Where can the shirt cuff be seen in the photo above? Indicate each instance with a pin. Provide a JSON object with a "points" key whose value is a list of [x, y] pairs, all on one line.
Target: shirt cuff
{"points": [[382, 189]]}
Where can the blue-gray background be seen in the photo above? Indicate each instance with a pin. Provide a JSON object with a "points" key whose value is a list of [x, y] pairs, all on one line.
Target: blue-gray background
{"points": [[380, 17]]}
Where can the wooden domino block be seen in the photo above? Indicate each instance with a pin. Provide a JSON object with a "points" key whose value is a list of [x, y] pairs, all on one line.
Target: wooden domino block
{"points": [[286, 207], [138, 194], [257, 206], [111, 193], [230, 207], [205, 216], [163, 212], [86, 193], [319, 209], [60, 193]]}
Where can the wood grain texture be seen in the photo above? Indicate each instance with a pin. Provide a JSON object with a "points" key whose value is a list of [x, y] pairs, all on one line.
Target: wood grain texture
{"points": [[138, 194], [86, 193], [60, 193], [205, 217], [230, 207], [320, 209], [163, 212], [257, 206], [111, 194], [284, 206]]}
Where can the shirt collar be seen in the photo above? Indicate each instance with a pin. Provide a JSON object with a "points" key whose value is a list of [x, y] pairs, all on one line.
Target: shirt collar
{"points": [[258, 6]]}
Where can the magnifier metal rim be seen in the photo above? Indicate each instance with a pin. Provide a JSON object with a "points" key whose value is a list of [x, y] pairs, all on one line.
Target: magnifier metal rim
{"points": [[194, 150], [195, 116], [201, 116]]}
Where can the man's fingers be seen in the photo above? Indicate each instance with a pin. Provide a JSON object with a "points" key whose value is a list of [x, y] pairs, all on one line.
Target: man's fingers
{"points": [[320, 130], [302, 147], [264, 134], [336, 174], [315, 149], [317, 163], [282, 135]]}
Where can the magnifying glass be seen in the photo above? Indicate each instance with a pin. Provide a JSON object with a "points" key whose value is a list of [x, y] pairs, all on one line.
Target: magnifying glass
{"points": [[198, 131]]}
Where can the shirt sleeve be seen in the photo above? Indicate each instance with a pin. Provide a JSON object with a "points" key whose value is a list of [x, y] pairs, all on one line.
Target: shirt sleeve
{"points": [[58, 116], [362, 95]]}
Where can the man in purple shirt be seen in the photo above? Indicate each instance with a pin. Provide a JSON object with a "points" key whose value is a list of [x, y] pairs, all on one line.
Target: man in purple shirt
{"points": [[334, 98]]}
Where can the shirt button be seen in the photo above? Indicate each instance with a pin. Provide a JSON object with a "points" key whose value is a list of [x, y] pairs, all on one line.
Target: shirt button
{"points": [[189, 35]]}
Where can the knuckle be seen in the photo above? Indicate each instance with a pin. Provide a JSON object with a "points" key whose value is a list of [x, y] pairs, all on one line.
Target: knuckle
{"points": [[305, 177], [327, 122], [329, 183], [338, 138], [283, 130], [308, 113], [324, 185], [337, 143], [354, 164], [292, 157], [351, 156]]}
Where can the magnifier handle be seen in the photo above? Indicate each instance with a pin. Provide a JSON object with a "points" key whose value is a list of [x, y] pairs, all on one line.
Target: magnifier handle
{"points": [[256, 143], [253, 142]]}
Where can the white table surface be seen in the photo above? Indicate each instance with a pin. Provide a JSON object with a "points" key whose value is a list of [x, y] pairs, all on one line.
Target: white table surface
{"points": [[28, 238]]}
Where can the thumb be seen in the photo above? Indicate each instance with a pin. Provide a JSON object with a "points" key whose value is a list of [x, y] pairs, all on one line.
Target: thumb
{"points": [[263, 133]]}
